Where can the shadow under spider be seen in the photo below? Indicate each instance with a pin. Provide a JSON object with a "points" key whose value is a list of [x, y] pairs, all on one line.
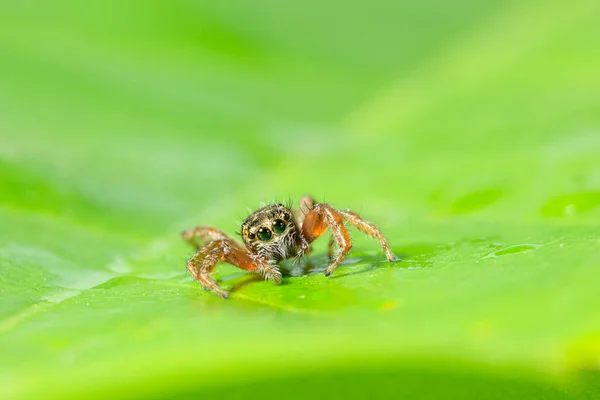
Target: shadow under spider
{"points": [[414, 256], [372, 261], [250, 279]]}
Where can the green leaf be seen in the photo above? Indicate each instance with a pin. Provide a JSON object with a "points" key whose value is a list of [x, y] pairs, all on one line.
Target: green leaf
{"points": [[468, 133]]}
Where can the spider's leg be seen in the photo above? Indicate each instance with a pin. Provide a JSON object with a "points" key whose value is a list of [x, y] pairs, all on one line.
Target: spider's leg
{"points": [[371, 230], [203, 262], [316, 222], [203, 235], [331, 248]]}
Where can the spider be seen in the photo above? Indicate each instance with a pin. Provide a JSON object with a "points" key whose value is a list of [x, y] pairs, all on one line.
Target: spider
{"points": [[275, 233]]}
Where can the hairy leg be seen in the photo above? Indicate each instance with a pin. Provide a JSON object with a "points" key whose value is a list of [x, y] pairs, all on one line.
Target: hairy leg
{"points": [[331, 248], [203, 262], [371, 230], [203, 235], [316, 222]]}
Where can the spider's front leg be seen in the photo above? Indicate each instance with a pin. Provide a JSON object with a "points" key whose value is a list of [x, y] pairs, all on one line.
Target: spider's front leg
{"points": [[323, 216], [316, 222], [223, 248], [203, 235]]}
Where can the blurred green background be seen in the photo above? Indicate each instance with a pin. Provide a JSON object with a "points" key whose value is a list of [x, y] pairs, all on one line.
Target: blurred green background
{"points": [[468, 131]]}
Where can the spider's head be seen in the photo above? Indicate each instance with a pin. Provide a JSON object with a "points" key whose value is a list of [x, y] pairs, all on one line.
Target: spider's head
{"points": [[271, 232]]}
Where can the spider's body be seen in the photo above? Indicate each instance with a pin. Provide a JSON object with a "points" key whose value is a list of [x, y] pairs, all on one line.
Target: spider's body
{"points": [[272, 234]]}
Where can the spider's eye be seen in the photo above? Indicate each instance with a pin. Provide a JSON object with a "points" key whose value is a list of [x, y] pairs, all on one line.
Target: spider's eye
{"points": [[286, 216], [251, 236], [264, 234], [278, 226]]}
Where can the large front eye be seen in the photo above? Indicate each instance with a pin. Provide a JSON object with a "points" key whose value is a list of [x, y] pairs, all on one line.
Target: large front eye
{"points": [[264, 234], [278, 226]]}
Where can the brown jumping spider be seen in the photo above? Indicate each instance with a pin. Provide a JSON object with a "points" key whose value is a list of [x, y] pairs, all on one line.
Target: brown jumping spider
{"points": [[272, 234]]}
